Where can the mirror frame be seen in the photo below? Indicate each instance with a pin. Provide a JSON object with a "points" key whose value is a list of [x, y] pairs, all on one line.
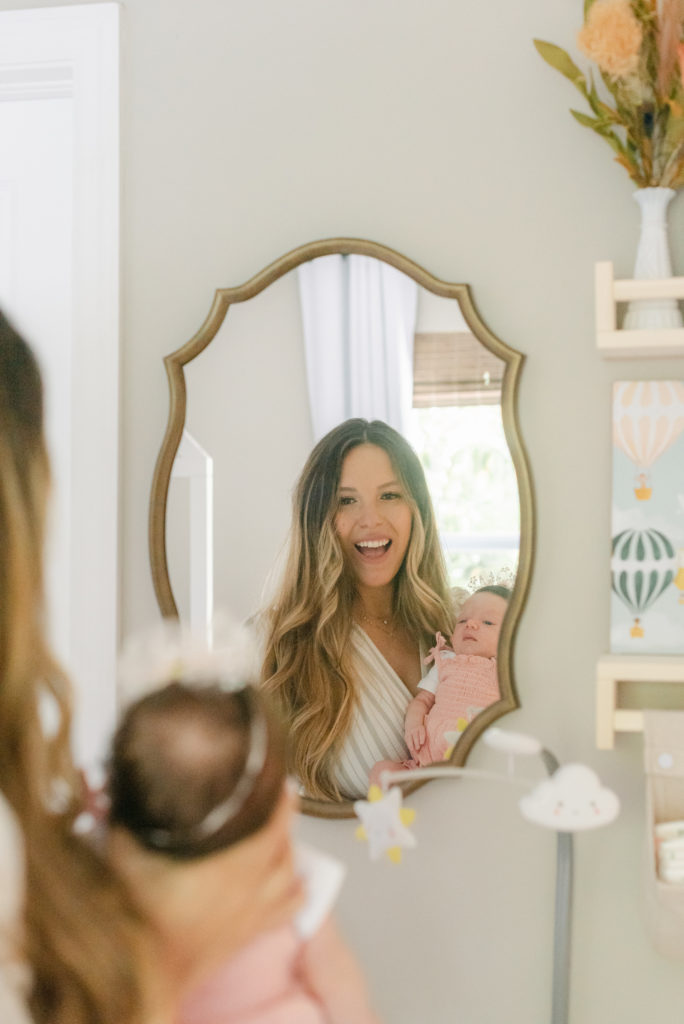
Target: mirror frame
{"points": [[174, 363]]}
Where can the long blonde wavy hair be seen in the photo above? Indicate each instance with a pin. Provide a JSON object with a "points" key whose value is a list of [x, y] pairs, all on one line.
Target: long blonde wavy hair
{"points": [[307, 664], [80, 929]]}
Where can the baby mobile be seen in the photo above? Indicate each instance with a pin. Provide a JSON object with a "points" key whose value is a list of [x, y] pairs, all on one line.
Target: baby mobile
{"points": [[570, 799]]}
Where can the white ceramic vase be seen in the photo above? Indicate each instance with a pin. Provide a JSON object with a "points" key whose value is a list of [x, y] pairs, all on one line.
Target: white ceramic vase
{"points": [[653, 261]]}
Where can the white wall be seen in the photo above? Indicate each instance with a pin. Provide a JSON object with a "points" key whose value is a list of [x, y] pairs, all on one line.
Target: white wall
{"points": [[433, 128]]}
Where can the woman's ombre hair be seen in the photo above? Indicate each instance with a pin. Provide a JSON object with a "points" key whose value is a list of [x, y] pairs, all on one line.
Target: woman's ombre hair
{"points": [[80, 930], [307, 665]]}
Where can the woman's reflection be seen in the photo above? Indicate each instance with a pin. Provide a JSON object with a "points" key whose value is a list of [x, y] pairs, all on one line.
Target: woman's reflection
{"points": [[363, 593]]}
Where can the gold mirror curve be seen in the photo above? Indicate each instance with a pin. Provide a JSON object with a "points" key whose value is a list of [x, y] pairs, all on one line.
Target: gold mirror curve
{"points": [[178, 374]]}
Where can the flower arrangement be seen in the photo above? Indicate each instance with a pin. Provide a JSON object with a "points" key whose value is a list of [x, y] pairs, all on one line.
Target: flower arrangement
{"points": [[638, 49]]}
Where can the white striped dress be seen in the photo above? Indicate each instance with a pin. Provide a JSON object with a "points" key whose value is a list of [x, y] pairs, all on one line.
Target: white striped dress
{"points": [[377, 729]]}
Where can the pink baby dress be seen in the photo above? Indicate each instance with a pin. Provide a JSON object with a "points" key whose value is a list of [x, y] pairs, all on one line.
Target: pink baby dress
{"points": [[467, 683], [260, 985]]}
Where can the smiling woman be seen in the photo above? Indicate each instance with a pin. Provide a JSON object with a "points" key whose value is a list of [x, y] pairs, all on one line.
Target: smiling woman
{"points": [[364, 590]]}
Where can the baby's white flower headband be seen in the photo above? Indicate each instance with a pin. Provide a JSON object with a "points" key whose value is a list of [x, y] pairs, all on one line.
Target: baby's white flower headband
{"points": [[172, 652], [504, 577]]}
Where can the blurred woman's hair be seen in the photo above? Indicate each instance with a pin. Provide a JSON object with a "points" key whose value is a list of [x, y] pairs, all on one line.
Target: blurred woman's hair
{"points": [[307, 658], [81, 931]]}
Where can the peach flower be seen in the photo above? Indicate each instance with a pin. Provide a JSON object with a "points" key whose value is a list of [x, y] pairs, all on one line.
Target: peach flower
{"points": [[611, 36]]}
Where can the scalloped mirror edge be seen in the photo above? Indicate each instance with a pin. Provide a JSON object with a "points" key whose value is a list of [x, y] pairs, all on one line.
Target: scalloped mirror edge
{"points": [[174, 363]]}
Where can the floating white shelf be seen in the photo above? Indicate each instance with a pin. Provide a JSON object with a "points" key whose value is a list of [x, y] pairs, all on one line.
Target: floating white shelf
{"points": [[613, 669], [615, 343]]}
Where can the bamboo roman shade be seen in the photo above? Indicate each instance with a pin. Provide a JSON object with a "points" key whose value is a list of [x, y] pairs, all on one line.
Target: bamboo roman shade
{"points": [[454, 368]]}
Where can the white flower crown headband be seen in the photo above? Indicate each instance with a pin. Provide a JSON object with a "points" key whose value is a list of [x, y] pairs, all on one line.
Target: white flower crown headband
{"points": [[172, 652], [503, 578]]}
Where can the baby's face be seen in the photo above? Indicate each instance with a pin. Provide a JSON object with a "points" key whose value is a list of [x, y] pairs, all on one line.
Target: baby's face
{"points": [[478, 625]]}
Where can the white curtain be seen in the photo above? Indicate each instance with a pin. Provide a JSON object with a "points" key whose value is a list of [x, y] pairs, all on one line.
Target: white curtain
{"points": [[359, 317]]}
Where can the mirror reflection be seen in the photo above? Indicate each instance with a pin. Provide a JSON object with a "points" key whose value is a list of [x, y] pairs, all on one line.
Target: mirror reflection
{"points": [[293, 354]]}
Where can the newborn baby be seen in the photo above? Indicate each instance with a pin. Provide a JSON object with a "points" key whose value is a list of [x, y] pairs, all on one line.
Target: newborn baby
{"points": [[462, 682]]}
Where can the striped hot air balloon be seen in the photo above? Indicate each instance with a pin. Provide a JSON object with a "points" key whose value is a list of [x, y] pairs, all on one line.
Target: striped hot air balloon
{"points": [[648, 416], [642, 566]]}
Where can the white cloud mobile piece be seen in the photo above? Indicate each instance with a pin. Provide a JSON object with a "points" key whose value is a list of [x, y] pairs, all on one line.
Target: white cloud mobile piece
{"points": [[572, 800]]}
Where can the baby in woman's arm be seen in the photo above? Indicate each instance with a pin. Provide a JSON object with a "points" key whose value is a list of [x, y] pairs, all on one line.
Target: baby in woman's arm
{"points": [[462, 681]]}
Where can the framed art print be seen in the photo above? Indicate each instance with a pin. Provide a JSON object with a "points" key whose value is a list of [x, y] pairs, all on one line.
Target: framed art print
{"points": [[647, 547]]}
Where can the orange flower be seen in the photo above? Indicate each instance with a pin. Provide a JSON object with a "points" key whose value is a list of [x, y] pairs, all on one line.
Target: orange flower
{"points": [[612, 36]]}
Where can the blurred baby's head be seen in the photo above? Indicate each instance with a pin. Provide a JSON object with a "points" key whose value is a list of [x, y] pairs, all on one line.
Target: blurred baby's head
{"points": [[478, 623], [195, 768]]}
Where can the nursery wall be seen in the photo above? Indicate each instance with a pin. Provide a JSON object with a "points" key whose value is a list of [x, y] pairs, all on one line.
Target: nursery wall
{"points": [[433, 128]]}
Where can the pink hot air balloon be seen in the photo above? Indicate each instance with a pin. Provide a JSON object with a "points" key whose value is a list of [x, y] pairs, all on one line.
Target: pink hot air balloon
{"points": [[647, 417]]}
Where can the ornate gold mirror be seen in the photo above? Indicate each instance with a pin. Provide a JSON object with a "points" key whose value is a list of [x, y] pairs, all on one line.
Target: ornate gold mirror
{"points": [[251, 392]]}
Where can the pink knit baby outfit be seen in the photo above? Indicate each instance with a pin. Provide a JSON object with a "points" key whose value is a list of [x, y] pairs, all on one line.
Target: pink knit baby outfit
{"points": [[260, 985], [467, 684]]}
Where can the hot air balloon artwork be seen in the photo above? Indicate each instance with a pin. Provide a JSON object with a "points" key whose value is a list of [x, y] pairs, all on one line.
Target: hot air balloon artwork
{"points": [[679, 578], [648, 416], [642, 567], [647, 561]]}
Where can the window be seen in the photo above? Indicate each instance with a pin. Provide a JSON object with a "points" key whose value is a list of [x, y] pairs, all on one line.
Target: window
{"points": [[457, 430]]}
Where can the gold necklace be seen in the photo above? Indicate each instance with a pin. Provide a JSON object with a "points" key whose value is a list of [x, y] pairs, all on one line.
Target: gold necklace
{"points": [[380, 623]]}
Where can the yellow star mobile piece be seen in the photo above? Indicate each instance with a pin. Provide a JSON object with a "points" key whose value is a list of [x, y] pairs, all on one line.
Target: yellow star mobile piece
{"points": [[383, 823]]}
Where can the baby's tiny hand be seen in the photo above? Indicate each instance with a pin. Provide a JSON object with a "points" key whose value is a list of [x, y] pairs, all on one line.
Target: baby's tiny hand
{"points": [[415, 738]]}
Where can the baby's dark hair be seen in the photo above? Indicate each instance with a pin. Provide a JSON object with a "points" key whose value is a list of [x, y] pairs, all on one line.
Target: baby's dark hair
{"points": [[194, 769], [495, 588]]}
